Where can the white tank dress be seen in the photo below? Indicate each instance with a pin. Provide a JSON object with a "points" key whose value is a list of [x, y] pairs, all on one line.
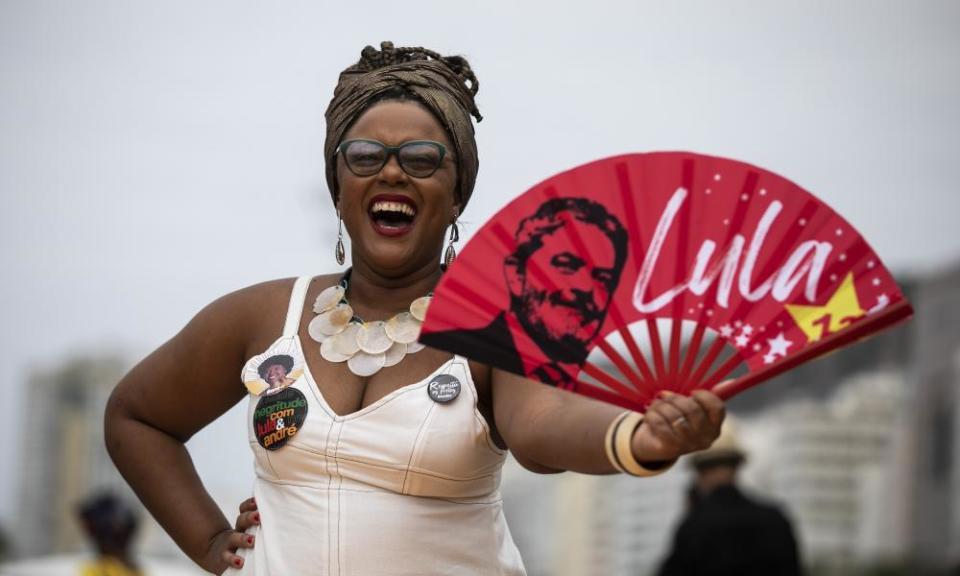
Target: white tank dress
{"points": [[404, 486]]}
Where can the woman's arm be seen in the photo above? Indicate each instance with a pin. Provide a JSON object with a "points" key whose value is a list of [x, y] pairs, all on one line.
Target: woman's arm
{"points": [[173, 393], [551, 430]]}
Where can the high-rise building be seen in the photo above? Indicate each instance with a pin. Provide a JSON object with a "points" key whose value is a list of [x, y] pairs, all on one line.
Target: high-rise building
{"points": [[933, 373], [578, 525], [862, 447], [838, 467], [64, 459], [907, 379]]}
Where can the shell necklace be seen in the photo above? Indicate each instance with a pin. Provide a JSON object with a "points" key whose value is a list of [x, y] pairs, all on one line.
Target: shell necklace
{"points": [[366, 347]]}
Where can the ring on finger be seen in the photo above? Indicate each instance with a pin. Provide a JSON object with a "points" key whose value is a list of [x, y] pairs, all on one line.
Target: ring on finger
{"points": [[680, 421]]}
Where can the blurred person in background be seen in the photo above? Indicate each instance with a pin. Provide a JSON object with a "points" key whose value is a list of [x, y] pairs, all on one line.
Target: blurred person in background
{"points": [[725, 532], [110, 526]]}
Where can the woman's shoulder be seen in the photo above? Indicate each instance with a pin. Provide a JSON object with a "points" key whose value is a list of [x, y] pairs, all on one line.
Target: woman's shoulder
{"points": [[263, 295], [253, 308], [250, 317], [252, 299]]}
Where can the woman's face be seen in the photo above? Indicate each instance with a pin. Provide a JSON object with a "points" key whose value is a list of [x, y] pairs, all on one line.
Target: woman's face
{"points": [[384, 235], [275, 374]]}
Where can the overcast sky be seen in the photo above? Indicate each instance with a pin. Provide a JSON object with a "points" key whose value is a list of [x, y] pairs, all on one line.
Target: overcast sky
{"points": [[155, 155]]}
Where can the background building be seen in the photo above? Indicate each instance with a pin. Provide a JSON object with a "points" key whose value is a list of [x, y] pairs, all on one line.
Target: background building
{"points": [[861, 448], [933, 371], [839, 468], [64, 460], [574, 524]]}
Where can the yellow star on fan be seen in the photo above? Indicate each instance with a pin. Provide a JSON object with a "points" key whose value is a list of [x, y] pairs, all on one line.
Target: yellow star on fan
{"points": [[819, 321]]}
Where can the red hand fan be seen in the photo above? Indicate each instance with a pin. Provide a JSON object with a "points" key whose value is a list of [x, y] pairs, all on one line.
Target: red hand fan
{"points": [[662, 271]]}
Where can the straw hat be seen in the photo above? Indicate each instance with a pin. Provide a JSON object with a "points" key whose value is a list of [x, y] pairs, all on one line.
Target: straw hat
{"points": [[282, 359], [725, 449]]}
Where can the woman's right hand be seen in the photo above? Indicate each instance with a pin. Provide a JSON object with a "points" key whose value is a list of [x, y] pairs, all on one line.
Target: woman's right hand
{"points": [[225, 544]]}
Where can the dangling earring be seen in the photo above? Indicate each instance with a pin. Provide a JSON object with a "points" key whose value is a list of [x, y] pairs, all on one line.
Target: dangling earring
{"points": [[450, 254], [339, 252]]}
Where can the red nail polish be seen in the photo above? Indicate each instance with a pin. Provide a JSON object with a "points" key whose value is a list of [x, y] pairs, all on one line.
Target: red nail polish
{"points": [[256, 517], [249, 539], [238, 562]]}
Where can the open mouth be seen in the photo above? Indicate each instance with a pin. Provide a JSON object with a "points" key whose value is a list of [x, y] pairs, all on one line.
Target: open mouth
{"points": [[392, 215]]}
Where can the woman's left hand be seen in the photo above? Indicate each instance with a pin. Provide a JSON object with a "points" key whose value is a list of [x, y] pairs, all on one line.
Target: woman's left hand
{"points": [[675, 425]]}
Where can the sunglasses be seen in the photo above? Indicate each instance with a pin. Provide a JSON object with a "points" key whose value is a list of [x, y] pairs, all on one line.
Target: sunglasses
{"points": [[418, 158]]}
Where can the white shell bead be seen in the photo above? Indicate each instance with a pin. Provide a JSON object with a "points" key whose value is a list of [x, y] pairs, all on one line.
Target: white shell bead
{"points": [[329, 354], [328, 298], [363, 364], [403, 328], [372, 337], [334, 320], [314, 329], [395, 354], [414, 347], [346, 342], [418, 308]]}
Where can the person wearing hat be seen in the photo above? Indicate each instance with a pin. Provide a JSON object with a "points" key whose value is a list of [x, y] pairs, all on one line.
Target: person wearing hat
{"points": [[376, 476], [724, 531], [274, 371]]}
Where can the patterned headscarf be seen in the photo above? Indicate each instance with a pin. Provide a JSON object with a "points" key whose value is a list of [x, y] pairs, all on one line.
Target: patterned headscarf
{"points": [[444, 84]]}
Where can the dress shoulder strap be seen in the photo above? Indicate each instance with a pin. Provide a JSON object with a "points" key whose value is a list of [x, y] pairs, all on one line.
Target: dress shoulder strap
{"points": [[295, 309]]}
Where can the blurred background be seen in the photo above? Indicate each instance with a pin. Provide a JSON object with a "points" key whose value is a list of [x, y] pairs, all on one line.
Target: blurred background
{"points": [[146, 147]]}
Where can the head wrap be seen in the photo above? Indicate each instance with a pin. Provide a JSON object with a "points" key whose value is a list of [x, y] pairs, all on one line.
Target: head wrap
{"points": [[438, 82]]}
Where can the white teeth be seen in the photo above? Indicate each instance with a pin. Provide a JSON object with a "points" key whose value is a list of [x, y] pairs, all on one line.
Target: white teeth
{"points": [[385, 206]]}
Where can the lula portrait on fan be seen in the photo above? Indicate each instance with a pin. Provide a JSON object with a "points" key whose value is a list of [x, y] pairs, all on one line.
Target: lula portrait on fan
{"points": [[560, 318], [382, 466]]}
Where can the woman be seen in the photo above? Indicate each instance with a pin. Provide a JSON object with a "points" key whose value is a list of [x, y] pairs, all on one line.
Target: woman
{"points": [[377, 475]]}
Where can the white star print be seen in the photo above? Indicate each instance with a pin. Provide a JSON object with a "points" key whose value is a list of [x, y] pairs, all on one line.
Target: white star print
{"points": [[768, 358], [882, 302], [779, 345], [747, 329], [742, 340], [876, 281], [726, 331]]}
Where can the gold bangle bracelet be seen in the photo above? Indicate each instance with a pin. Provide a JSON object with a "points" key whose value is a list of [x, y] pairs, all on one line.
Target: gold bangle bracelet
{"points": [[623, 452], [608, 440]]}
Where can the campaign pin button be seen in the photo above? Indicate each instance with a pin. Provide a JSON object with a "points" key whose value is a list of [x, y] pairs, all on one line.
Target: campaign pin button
{"points": [[279, 417], [443, 388]]}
